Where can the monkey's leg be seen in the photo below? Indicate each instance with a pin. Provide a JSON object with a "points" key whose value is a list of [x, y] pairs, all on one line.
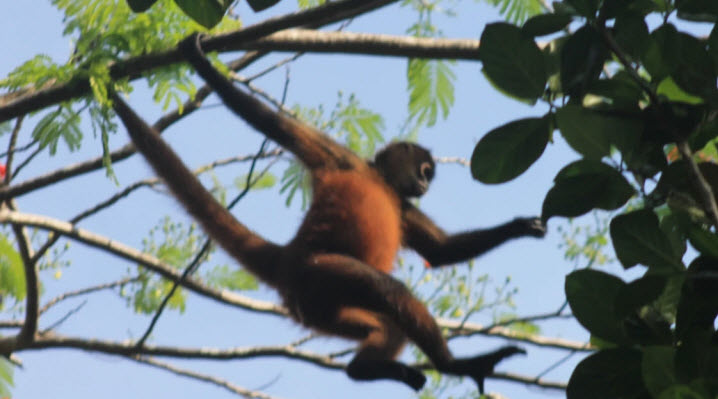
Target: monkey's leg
{"points": [[345, 281], [381, 340]]}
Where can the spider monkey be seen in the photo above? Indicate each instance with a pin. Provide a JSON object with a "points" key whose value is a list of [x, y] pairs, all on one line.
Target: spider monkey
{"points": [[333, 275]]}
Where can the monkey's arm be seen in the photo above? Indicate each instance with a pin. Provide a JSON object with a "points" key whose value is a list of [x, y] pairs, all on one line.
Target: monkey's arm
{"points": [[440, 248], [315, 149]]}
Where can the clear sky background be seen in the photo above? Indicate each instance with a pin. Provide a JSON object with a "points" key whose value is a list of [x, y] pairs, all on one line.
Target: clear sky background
{"points": [[456, 202]]}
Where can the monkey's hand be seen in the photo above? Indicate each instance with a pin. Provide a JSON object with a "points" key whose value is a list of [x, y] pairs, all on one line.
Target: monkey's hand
{"points": [[531, 226]]}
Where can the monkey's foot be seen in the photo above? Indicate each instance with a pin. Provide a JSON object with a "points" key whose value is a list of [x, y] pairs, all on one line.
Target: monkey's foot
{"points": [[364, 370], [478, 367]]}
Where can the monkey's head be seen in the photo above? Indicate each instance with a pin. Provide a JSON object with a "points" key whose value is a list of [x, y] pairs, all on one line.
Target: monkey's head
{"points": [[407, 167]]}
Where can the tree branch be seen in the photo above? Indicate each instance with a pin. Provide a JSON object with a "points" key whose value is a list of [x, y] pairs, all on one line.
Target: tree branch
{"points": [[127, 150], [67, 295], [134, 67], [305, 40], [468, 329], [129, 349], [133, 255]]}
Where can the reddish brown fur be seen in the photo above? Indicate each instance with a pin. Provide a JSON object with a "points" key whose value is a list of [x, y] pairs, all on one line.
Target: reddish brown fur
{"points": [[333, 276], [353, 213]]}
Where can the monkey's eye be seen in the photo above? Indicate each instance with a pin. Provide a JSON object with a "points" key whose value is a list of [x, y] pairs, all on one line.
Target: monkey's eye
{"points": [[426, 171]]}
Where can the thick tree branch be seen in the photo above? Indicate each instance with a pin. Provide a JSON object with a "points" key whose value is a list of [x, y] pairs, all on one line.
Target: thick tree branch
{"points": [[129, 349], [134, 67], [305, 40], [133, 255], [127, 150]]}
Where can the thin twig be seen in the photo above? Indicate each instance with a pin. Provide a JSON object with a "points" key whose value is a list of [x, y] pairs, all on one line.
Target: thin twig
{"points": [[84, 291], [64, 318], [202, 377], [192, 266]]}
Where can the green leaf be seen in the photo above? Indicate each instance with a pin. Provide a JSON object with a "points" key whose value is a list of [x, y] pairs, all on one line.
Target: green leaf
{"points": [[140, 5], [507, 151], [620, 89], [207, 13], [631, 34], [431, 89], [512, 62], [591, 295], [658, 369], [259, 5], [232, 278], [584, 185], [12, 273], [695, 72], [582, 59], [639, 293], [659, 58], [545, 24], [637, 238], [608, 374], [704, 241], [587, 8], [266, 180], [681, 391], [713, 46], [592, 133], [669, 89], [697, 10], [6, 377]]}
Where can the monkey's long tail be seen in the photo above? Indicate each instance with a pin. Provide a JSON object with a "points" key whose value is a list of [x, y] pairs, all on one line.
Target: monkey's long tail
{"points": [[259, 256]]}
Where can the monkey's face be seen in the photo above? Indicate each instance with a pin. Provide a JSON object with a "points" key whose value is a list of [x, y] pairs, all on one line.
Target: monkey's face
{"points": [[408, 168]]}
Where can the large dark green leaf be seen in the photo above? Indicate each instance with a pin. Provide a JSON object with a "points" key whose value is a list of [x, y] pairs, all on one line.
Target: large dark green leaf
{"points": [[637, 238], [582, 59], [259, 5], [695, 72], [591, 295], [140, 5], [512, 61], [587, 8], [638, 293], [698, 10], [507, 151], [591, 133], [659, 58], [658, 368], [207, 13], [545, 24], [584, 185], [608, 374], [631, 34]]}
